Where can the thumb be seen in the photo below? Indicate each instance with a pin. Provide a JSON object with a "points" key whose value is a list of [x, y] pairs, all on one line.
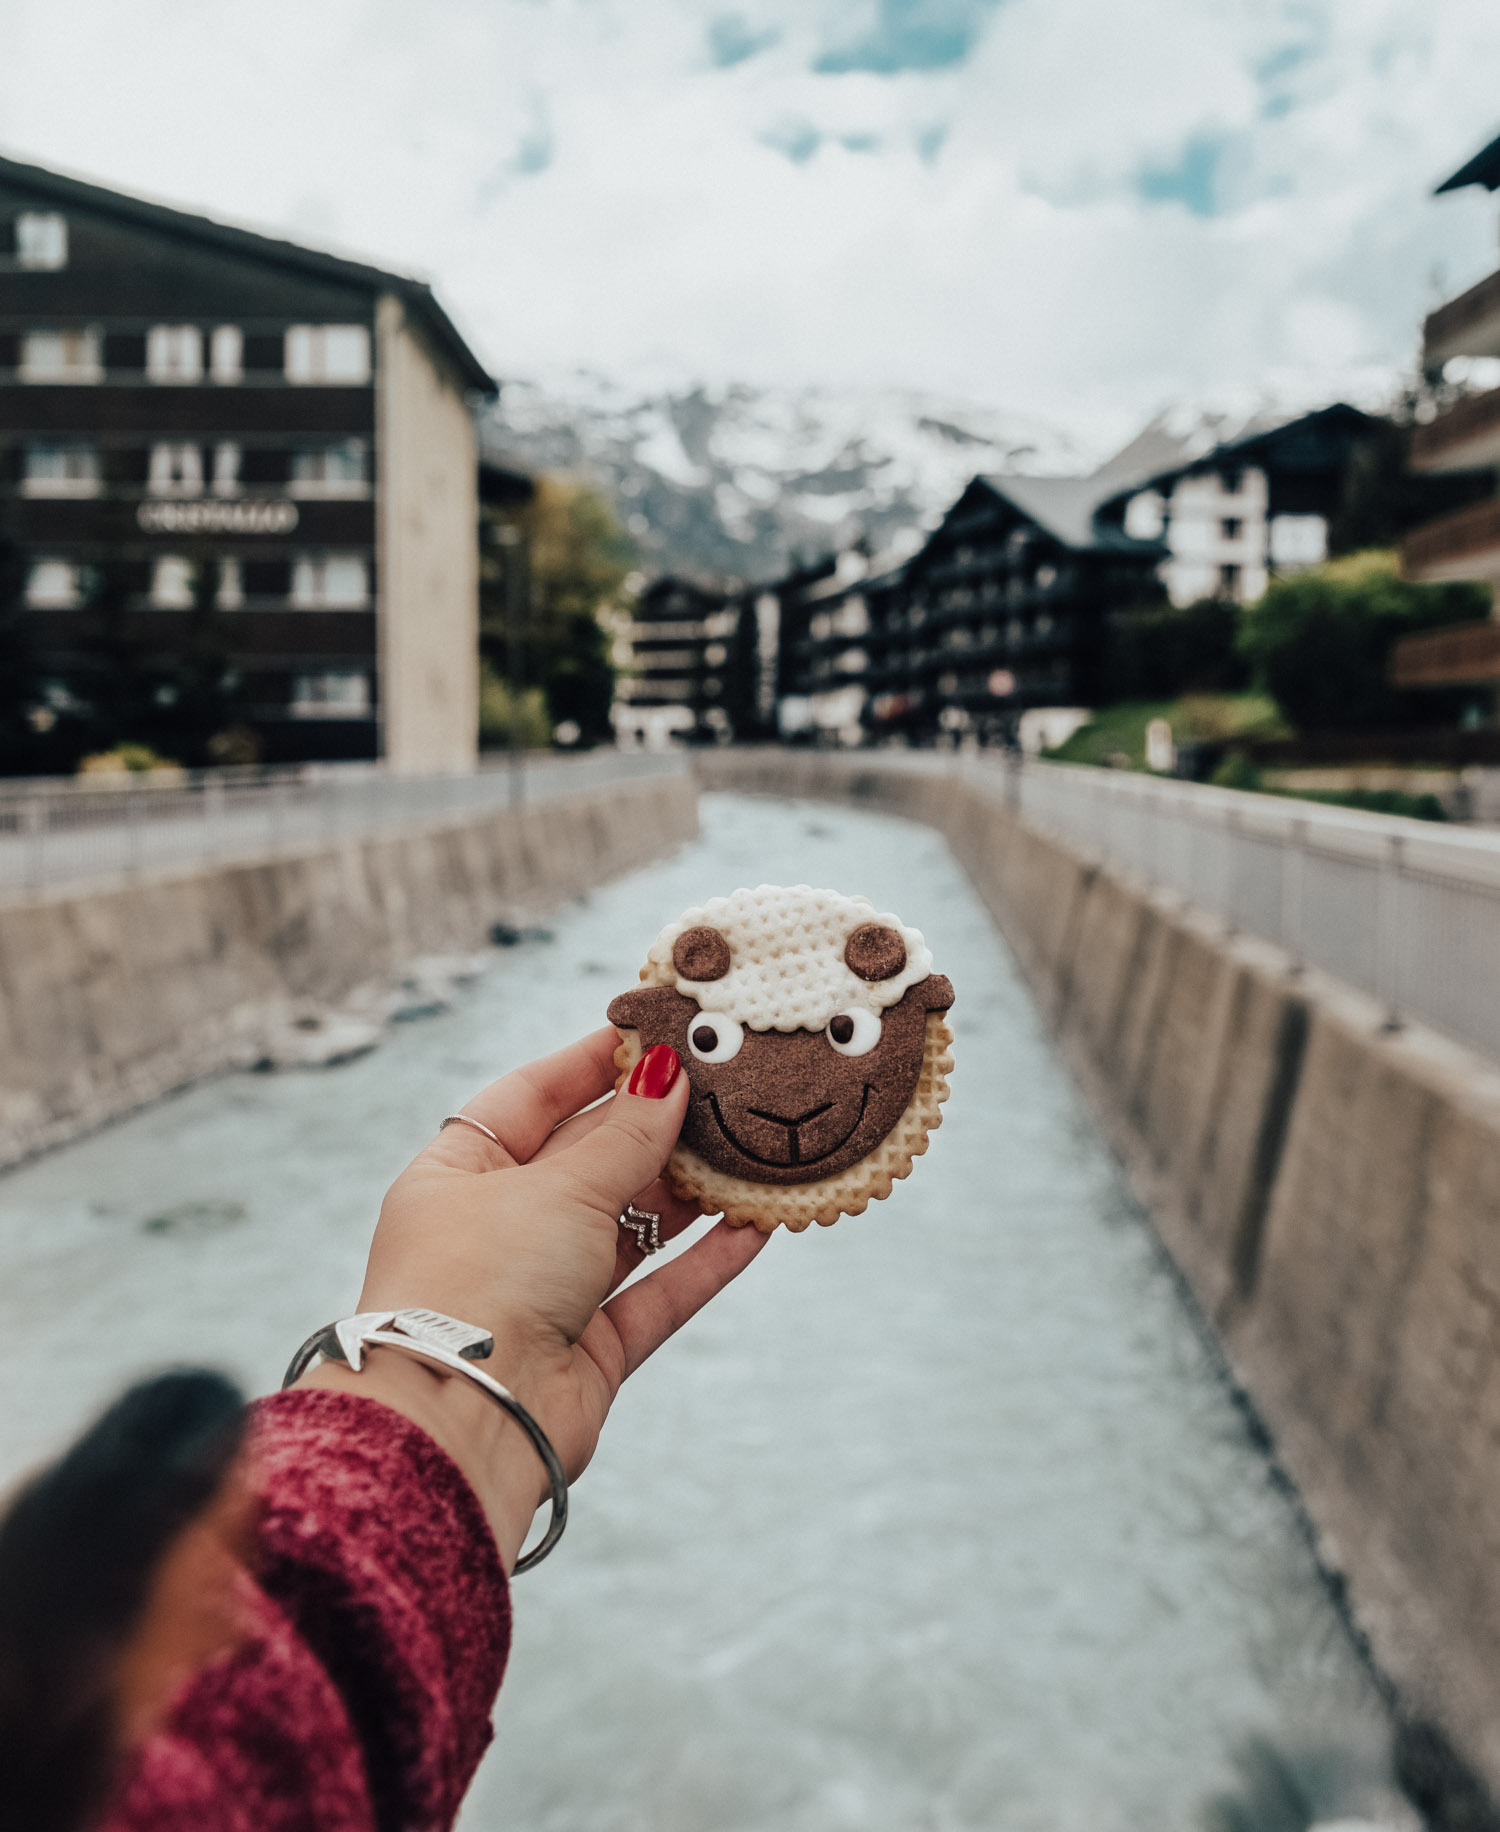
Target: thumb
{"points": [[620, 1157]]}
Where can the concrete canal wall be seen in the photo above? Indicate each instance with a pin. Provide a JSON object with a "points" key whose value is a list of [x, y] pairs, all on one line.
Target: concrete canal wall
{"points": [[111, 995], [1330, 1190]]}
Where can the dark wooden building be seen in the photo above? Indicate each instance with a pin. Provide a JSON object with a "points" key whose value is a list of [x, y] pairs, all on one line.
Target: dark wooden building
{"points": [[1464, 438], [1253, 508], [1003, 609], [198, 423], [683, 665]]}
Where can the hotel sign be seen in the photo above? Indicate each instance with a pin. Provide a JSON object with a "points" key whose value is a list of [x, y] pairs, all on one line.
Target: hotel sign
{"points": [[216, 517]]}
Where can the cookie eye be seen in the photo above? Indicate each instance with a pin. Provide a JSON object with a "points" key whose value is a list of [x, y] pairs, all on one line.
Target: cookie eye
{"points": [[854, 1033], [714, 1038]]}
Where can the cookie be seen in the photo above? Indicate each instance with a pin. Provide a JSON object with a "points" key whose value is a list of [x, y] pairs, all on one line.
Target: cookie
{"points": [[814, 1036]]}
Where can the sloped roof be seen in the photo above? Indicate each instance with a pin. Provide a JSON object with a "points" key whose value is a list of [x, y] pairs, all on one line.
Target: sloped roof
{"points": [[416, 295], [1253, 439], [1065, 508], [1483, 168]]}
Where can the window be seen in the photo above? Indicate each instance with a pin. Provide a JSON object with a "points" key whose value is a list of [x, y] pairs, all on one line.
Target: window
{"points": [[337, 582], [231, 593], [327, 353], [226, 353], [61, 470], [226, 468], [41, 240], [176, 470], [338, 695], [172, 583], [331, 470], [54, 585], [1231, 528], [61, 356], [1229, 581], [1298, 540], [174, 353]]}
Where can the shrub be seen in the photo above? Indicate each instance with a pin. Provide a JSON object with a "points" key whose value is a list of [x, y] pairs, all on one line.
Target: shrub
{"points": [[1320, 643], [1158, 652]]}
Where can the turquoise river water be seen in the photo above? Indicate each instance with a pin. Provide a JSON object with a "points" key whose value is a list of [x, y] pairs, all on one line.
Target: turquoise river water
{"points": [[941, 1519]]}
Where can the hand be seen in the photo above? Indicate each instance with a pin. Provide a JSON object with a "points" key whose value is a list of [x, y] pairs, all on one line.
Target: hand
{"points": [[526, 1242]]}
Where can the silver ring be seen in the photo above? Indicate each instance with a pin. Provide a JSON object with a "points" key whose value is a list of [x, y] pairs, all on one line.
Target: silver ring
{"points": [[643, 1222], [462, 1119]]}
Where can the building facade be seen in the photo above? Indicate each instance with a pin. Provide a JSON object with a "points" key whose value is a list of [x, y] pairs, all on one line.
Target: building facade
{"points": [[1004, 609], [205, 429], [1253, 509], [683, 662], [1465, 437]]}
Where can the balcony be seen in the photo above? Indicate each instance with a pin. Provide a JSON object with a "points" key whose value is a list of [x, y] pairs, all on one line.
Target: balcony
{"points": [[1462, 655], [1465, 438], [1461, 546], [1466, 326]]}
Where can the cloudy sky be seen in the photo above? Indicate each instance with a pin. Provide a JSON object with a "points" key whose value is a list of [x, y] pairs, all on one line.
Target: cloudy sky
{"points": [[1077, 208]]}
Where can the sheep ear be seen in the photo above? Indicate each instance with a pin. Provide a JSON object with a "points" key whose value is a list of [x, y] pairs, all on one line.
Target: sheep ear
{"points": [[634, 1010], [935, 992], [875, 952]]}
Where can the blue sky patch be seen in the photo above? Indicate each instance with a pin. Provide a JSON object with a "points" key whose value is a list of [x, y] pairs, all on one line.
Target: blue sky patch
{"points": [[732, 40], [910, 35], [1192, 179], [931, 141], [798, 140]]}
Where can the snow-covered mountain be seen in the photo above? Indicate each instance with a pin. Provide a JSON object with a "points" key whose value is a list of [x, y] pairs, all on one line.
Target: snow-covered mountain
{"points": [[743, 481]]}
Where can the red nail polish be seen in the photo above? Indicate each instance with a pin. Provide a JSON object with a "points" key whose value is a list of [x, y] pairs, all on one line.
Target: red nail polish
{"points": [[654, 1074]]}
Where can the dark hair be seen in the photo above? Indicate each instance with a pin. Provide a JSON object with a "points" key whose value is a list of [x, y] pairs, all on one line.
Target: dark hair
{"points": [[79, 1548]]}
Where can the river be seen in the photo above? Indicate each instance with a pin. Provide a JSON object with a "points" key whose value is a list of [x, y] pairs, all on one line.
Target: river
{"points": [[940, 1520]]}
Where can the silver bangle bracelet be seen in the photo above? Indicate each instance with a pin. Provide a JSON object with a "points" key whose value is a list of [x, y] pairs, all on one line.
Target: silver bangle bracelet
{"points": [[446, 1343]]}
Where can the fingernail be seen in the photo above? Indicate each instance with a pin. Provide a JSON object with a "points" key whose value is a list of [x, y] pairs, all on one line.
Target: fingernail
{"points": [[654, 1074]]}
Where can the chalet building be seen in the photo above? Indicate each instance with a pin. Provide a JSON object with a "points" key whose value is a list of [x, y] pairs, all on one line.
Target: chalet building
{"points": [[1252, 509], [1465, 437], [683, 656], [193, 413], [1005, 608], [827, 615]]}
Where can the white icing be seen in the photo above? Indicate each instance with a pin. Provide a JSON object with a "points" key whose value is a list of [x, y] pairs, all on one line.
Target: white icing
{"points": [[866, 1032], [787, 969], [723, 1042]]}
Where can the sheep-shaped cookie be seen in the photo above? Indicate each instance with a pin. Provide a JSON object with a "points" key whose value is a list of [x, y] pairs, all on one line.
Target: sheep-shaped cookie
{"points": [[815, 1040]]}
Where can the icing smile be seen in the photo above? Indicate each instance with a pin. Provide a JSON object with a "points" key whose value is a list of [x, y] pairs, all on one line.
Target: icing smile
{"points": [[785, 1107], [793, 1128]]}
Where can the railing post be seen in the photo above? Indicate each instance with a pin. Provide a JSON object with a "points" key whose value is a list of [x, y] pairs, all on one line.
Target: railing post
{"points": [[134, 837], [1388, 929], [34, 826], [216, 839], [1293, 894], [1231, 861]]}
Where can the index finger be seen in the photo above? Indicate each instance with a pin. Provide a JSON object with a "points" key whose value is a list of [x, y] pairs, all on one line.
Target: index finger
{"points": [[523, 1108]]}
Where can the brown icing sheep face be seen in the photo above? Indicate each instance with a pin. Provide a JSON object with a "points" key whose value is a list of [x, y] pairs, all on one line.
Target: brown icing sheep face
{"points": [[789, 1106]]}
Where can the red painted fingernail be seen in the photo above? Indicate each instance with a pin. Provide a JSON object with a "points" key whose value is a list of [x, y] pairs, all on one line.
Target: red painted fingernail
{"points": [[654, 1074]]}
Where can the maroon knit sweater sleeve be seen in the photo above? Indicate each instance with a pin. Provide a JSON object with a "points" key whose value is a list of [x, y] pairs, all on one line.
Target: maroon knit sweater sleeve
{"points": [[380, 1624]]}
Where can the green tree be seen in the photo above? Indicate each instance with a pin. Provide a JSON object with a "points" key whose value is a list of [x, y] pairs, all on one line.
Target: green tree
{"points": [[549, 570], [1320, 643], [1157, 652]]}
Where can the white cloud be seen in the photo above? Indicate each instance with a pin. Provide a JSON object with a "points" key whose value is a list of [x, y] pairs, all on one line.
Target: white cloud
{"points": [[586, 185]]}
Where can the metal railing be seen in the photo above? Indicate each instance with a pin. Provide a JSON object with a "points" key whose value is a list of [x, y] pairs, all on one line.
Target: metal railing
{"points": [[74, 829], [1407, 910]]}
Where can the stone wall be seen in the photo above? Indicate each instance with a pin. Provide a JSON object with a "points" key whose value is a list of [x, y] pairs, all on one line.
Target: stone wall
{"points": [[111, 998], [1330, 1189]]}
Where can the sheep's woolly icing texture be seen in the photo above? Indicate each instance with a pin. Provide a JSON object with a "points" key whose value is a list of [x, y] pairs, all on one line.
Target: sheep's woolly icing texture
{"points": [[787, 969]]}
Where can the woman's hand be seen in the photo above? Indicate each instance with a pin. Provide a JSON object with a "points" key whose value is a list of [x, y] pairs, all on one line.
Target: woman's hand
{"points": [[525, 1241]]}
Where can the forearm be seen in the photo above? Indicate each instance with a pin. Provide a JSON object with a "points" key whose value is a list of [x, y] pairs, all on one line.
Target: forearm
{"points": [[491, 1449]]}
